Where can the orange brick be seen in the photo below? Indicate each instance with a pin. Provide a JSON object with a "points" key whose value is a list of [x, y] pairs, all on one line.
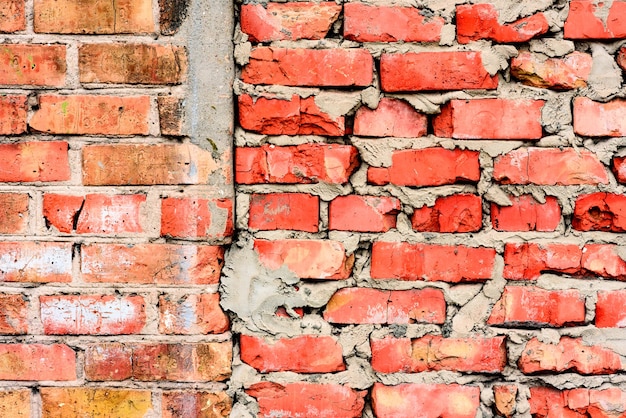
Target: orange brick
{"points": [[12, 115], [36, 262], [192, 314], [35, 65], [392, 117], [15, 403], [599, 119], [455, 213], [189, 217], [505, 399], [610, 309], [34, 161], [363, 213], [66, 402], [92, 115], [171, 115], [526, 214], [37, 362], [197, 404], [13, 314], [12, 16], [293, 211], [600, 212], [591, 20], [569, 72], [14, 207]]}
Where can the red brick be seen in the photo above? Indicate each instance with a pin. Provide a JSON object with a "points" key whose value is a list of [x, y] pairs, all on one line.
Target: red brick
{"points": [[570, 354], [132, 64], [610, 309], [143, 164], [431, 400], [424, 71], [447, 263], [108, 361], [569, 72], [526, 261], [621, 58], [297, 116], [301, 354], [435, 353], [480, 21], [600, 212], [288, 21], [293, 211], [392, 117], [299, 400], [15, 403], [13, 314], [427, 167], [171, 115], [363, 213], [14, 207], [490, 119], [192, 314], [307, 163], [94, 17], [92, 315], [37, 362], [95, 213], [307, 259], [577, 403], [549, 166], [535, 307], [603, 260], [527, 214], [372, 306], [151, 263], [368, 23], [35, 262], [455, 213], [34, 161], [589, 19], [12, 16], [35, 65], [619, 168], [504, 399], [197, 404], [67, 402], [189, 217], [92, 115], [599, 119], [12, 114]]}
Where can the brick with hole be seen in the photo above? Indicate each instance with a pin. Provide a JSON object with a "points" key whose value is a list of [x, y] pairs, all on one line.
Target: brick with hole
{"points": [[537, 308], [598, 119], [588, 19], [490, 119], [37, 362], [196, 403], [480, 21], [427, 167], [288, 21], [610, 311], [34, 161], [435, 353], [336, 67], [15, 403], [300, 354], [14, 207], [194, 217], [192, 314], [600, 212], [12, 16], [392, 117], [63, 402], [430, 71], [549, 166], [527, 214], [379, 23], [291, 211], [567, 73], [547, 402], [455, 213], [363, 213], [446, 263], [36, 262], [12, 114], [34, 65], [505, 399], [318, 400], [14, 314]]}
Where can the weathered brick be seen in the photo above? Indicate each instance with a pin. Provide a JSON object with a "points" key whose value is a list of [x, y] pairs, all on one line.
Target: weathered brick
{"points": [[527, 261], [354, 305], [12, 114], [610, 311], [319, 400], [392, 117], [435, 353], [549, 402], [589, 19], [569, 354], [490, 119], [570, 72], [621, 57], [535, 307], [92, 115], [12, 16], [171, 115], [68, 402], [13, 314], [15, 403], [172, 14], [526, 214], [189, 217], [480, 21], [132, 64], [143, 164], [197, 404], [37, 262], [301, 354], [288, 21], [93, 17], [297, 116], [37, 362], [14, 207], [600, 212], [363, 213], [34, 161], [549, 166], [603, 260], [307, 163], [431, 400], [618, 167], [192, 314], [108, 361], [309, 67], [307, 259], [455, 213], [447, 263], [35, 65], [425, 71], [599, 119], [504, 399], [427, 167], [371, 23], [293, 211], [151, 263]]}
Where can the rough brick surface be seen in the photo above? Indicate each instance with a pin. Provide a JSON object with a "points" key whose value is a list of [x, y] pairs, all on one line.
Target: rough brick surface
{"points": [[13, 314], [196, 218], [569, 72], [36, 262], [61, 402], [526, 214], [546, 402], [192, 314], [35, 65], [199, 404], [456, 213], [363, 213], [392, 117], [34, 161], [12, 16], [610, 312], [600, 212], [37, 362], [12, 114], [14, 207], [599, 119], [589, 20], [294, 211], [15, 403]]}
